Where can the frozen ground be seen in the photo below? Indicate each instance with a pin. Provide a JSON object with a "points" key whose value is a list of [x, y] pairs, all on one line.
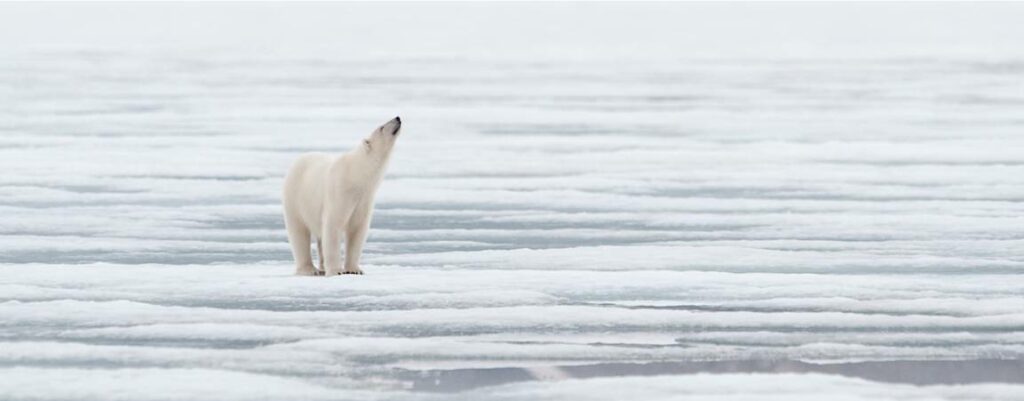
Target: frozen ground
{"points": [[671, 228]]}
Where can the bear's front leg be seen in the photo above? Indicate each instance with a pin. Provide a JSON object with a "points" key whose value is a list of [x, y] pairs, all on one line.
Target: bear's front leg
{"points": [[353, 249], [332, 252], [355, 237]]}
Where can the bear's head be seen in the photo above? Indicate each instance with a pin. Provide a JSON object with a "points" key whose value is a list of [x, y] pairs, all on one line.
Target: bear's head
{"points": [[382, 139]]}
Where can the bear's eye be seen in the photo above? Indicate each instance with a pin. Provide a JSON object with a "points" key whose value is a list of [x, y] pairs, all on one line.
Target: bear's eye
{"points": [[367, 142]]}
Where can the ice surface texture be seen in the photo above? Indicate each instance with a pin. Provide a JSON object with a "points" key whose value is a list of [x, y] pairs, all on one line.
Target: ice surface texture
{"points": [[539, 217]]}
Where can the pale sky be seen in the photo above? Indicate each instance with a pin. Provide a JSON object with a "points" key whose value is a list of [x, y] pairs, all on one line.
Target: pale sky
{"points": [[496, 30]]}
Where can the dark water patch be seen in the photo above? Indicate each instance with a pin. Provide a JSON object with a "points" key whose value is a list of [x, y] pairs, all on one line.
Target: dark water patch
{"points": [[919, 373]]}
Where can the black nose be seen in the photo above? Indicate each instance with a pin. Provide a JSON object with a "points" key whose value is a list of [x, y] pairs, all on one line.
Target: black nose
{"points": [[398, 119]]}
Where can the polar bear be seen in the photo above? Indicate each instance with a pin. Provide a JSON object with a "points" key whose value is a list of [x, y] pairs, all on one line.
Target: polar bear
{"points": [[330, 198]]}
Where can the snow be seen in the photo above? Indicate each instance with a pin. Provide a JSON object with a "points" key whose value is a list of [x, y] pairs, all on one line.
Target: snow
{"points": [[197, 384], [586, 218]]}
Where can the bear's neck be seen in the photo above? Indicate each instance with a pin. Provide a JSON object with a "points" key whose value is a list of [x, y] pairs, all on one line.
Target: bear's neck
{"points": [[372, 163]]}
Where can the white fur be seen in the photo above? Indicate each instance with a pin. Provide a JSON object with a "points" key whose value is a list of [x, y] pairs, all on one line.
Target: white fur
{"points": [[331, 198]]}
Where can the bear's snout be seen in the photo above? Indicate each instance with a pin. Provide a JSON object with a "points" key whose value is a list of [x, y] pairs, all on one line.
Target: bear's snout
{"points": [[398, 125]]}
